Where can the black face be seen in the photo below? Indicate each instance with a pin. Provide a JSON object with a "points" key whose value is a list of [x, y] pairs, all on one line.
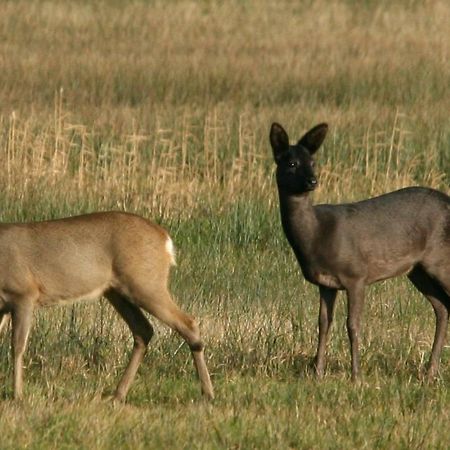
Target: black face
{"points": [[295, 171], [295, 163]]}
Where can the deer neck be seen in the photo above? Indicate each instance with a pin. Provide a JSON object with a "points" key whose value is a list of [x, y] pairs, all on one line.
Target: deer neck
{"points": [[299, 222]]}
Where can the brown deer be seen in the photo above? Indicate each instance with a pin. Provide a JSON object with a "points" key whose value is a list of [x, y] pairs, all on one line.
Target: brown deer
{"points": [[349, 246], [122, 256]]}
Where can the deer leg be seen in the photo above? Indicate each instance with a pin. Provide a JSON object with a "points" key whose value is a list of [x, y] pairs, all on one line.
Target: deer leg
{"points": [[355, 296], [163, 308], [326, 312], [22, 316], [440, 302], [443, 278], [142, 333], [4, 318], [441, 313]]}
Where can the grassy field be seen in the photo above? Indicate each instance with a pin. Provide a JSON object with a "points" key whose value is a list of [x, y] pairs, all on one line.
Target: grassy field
{"points": [[164, 108]]}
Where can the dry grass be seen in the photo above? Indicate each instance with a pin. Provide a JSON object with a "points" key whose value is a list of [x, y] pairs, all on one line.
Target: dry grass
{"points": [[202, 160], [160, 107]]}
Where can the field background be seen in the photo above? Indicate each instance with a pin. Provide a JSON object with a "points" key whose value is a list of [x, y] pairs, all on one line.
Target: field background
{"points": [[163, 108]]}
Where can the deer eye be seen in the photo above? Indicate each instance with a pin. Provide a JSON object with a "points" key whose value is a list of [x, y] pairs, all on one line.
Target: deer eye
{"points": [[292, 164]]}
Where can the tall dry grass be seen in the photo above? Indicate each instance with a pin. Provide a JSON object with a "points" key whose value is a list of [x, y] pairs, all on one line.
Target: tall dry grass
{"points": [[165, 106]]}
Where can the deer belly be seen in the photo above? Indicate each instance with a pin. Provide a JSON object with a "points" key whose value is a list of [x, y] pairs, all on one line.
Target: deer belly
{"points": [[324, 279], [77, 295], [389, 266], [389, 271]]}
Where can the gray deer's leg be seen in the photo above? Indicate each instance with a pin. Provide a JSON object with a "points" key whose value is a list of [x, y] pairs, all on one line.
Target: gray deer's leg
{"points": [[440, 302], [355, 294], [326, 313]]}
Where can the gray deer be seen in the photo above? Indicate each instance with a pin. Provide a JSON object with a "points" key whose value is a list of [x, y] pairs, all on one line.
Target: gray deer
{"points": [[350, 246]]}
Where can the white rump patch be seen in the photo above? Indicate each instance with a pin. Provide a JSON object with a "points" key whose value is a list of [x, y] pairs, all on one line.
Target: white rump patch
{"points": [[171, 251]]}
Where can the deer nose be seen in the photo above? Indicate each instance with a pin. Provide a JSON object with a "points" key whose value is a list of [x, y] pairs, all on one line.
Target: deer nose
{"points": [[311, 183]]}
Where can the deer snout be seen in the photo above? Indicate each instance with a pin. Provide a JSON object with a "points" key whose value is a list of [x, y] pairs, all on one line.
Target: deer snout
{"points": [[311, 183]]}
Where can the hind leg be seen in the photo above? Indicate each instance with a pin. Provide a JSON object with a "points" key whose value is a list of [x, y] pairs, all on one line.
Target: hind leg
{"points": [[443, 278], [160, 304], [142, 333], [440, 302]]}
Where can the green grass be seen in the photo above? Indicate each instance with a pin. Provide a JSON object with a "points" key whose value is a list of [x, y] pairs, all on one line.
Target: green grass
{"points": [[265, 414], [163, 108], [258, 319]]}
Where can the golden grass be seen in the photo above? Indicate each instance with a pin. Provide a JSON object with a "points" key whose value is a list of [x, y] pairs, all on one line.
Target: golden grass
{"points": [[161, 107]]}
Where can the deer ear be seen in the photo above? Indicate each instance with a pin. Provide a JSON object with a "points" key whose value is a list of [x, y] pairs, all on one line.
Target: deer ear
{"points": [[313, 139], [279, 141]]}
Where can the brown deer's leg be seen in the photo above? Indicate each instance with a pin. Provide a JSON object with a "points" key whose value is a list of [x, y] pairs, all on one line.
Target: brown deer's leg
{"points": [[440, 302], [355, 295], [326, 313], [142, 333], [22, 316], [161, 305], [4, 318]]}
